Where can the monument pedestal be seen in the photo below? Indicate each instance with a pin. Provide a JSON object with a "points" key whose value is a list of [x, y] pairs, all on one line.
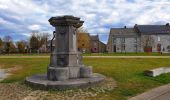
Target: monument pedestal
{"points": [[40, 80], [64, 73], [58, 73], [66, 68]]}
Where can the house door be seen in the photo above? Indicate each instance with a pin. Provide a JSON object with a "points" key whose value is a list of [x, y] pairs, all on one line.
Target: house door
{"points": [[114, 48], [159, 47]]}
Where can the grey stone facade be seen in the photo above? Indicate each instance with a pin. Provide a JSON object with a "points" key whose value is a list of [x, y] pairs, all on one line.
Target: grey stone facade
{"points": [[156, 37], [163, 40], [123, 40]]}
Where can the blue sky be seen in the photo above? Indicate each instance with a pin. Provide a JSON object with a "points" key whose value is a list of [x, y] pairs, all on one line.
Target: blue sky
{"points": [[18, 18]]}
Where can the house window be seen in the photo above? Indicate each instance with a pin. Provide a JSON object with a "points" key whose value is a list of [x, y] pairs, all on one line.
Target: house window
{"points": [[135, 40], [114, 40], [135, 47], [169, 39], [159, 39], [168, 48], [123, 47], [95, 44], [123, 40]]}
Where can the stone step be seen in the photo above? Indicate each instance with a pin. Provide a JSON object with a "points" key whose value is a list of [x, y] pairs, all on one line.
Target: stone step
{"points": [[157, 71]]}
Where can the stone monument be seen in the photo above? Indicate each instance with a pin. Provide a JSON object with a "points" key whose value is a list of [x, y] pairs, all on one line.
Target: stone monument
{"points": [[66, 68]]}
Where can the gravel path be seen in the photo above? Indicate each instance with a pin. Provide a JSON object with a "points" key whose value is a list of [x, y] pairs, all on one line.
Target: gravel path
{"points": [[14, 91], [18, 91]]}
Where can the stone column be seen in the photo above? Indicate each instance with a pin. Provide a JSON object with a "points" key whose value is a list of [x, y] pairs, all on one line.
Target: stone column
{"points": [[65, 59]]}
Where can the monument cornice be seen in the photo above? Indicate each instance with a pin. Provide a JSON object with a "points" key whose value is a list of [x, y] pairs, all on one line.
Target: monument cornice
{"points": [[66, 20]]}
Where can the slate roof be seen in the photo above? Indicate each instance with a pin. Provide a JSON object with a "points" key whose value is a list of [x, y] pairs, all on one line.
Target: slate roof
{"points": [[94, 38], [123, 31], [153, 29]]}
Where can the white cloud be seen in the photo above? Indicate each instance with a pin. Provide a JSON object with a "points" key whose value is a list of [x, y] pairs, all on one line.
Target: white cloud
{"points": [[2, 21], [99, 15], [34, 27]]}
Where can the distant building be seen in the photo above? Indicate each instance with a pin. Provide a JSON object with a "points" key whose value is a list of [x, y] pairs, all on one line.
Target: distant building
{"points": [[97, 45], [141, 38], [83, 42], [102, 47], [90, 44], [123, 40]]}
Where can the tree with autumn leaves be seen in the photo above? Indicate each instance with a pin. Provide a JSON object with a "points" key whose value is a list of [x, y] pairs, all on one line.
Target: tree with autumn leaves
{"points": [[21, 46]]}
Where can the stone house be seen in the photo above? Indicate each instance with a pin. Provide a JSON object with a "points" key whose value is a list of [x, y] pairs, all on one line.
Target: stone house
{"points": [[97, 45], [90, 44], [102, 47], [140, 38], [123, 40]]}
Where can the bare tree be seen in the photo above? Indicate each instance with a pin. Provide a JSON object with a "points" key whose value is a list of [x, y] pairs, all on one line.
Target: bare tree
{"points": [[9, 47], [1, 45], [147, 41], [82, 30], [12, 48], [44, 37], [34, 43], [38, 40], [7, 39]]}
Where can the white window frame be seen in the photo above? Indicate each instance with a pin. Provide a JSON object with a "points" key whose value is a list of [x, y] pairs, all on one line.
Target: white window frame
{"points": [[169, 39], [123, 40], [114, 40], [135, 40], [159, 38]]}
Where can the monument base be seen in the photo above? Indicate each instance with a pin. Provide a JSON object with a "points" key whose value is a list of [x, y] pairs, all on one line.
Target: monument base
{"points": [[64, 73], [41, 80]]}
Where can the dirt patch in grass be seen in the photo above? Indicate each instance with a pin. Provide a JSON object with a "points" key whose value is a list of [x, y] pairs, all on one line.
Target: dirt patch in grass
{"points": [[13, 69], [8, 72], [1, 66]]}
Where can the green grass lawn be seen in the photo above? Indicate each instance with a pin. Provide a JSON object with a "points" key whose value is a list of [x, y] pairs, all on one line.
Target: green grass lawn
{"points": [[97, 54], [128, 73]]}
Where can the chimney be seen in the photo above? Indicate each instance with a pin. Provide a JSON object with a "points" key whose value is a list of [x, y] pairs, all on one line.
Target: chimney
{"points": [[167, 24], [135, 25]]}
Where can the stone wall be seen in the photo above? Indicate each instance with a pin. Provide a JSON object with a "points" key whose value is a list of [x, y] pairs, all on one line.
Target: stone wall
{"points": [[163, 40]]}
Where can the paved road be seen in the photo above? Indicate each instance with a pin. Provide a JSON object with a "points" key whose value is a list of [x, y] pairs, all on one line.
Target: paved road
{"points": [[160, 93], [126, 56], [165, 96], [89, 56]]}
